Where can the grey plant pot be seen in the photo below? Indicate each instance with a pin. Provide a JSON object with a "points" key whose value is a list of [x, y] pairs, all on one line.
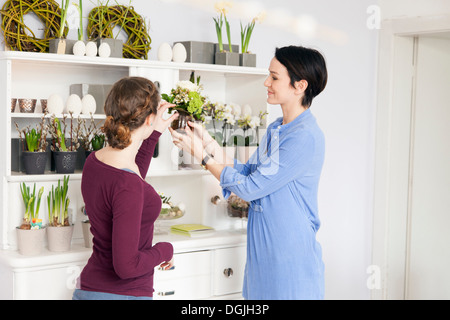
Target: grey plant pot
{"points": [[53, 45], [198, 51], [116, 46], [59, 238], [65, 162], [30, 242], [247, 59], [227, 58], [34, 162]]}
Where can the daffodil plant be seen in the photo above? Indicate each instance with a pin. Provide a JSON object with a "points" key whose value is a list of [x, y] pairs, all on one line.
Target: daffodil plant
{"points": [[58, 204], [32, 204], [222, 8], [246, 32]]}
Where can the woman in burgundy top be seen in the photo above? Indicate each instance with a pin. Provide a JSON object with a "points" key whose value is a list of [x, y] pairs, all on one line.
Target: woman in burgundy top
{"points": [[122, 207]]}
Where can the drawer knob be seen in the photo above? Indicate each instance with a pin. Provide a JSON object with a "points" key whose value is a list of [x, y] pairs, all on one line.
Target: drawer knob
{"points": [[228, 272]]}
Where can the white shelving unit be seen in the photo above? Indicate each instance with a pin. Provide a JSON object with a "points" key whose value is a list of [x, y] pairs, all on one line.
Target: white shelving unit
{"points": [[37, 76]]}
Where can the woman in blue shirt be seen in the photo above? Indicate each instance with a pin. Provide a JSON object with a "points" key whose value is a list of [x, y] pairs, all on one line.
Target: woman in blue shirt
{"points": [[284, 259]]}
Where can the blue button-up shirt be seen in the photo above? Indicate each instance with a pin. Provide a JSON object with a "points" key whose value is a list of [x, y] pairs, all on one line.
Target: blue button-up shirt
{"points": [[284, 259]]}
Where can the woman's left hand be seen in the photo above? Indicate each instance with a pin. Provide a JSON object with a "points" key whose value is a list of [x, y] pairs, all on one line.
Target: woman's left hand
{"points": [[160, 124], [188, 142]]}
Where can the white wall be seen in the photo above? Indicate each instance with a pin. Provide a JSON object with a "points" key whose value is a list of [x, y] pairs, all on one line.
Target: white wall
{"points": [[345, 111]]}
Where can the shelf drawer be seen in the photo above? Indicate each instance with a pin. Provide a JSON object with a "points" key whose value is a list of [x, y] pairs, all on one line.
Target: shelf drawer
{"points": [[188, 288], [186, 265], [228, 274]]}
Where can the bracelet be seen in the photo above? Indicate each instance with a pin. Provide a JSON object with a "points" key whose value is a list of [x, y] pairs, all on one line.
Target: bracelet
{"points": [[204, 161]]}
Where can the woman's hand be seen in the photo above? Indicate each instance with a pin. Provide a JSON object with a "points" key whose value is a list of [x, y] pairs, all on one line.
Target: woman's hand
{"points": [[166, 265], [160, 124], [188, 142]]}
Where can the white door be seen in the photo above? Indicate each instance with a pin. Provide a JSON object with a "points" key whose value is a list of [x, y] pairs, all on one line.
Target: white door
{"points": [[428, 261]]}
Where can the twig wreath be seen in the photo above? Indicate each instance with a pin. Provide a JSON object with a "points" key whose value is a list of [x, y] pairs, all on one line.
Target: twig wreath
{"points": [[18, 36], [103, 19]]}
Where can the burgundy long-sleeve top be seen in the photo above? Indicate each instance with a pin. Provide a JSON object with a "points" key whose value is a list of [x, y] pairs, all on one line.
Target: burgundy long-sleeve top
{"points": [[122, 209]]}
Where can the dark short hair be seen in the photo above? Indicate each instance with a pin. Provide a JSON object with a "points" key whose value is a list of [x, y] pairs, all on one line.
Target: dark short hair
{"points": [[304, 64], [130, 101]]}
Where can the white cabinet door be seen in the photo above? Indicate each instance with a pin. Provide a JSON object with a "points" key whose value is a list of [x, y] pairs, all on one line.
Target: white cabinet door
{"points": [[228, 275], [190, 277]]}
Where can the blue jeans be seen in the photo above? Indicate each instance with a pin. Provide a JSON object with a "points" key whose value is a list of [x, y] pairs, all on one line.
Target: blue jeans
{"points": [[79, 294]]}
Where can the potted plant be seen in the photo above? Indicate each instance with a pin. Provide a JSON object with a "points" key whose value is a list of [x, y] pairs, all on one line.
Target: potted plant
{"points": [[30, 234], [91, 137], [188, 100], [222, 56], [169, 211], [34, 140], [59, 229], [246, 58], [60, 44], [64, 150]]}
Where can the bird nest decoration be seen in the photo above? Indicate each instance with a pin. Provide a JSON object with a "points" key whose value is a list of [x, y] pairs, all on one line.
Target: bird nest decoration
{"points": [[20, 37], [103, 20]]}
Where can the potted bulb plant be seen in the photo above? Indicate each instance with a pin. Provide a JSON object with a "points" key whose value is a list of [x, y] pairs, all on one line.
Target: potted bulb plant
{"points": [[223, 56], [34, 140], [59, 229], [60, 44], [91, 138], [246, 58], [248, 142], [64, 150], [31, 233]]}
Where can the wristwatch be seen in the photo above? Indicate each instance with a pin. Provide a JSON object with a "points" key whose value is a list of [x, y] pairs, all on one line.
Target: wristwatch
{"points": [[204, 161]]}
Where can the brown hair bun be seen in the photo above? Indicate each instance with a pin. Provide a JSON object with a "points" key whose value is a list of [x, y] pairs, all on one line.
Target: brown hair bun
{"points": [[130, 101]]}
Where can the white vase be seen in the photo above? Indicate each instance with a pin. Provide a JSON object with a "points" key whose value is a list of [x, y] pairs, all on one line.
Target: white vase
{"points": [[30, 242], [59, 238]]}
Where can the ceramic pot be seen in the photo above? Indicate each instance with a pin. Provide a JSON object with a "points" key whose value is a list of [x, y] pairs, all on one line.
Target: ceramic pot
{"points": [[247, 59], [27, 105], [65, 161], [13, 104], [30, 242], [115, 45], [59, 238], [227, 58], [198, 51], [61, 46], [34, 162]]}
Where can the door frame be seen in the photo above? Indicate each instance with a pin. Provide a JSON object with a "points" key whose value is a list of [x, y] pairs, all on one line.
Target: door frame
{"points": [[394, 142]]}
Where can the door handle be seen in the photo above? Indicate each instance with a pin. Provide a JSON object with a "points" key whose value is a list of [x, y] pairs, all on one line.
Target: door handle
{"points": [[228, 272]]}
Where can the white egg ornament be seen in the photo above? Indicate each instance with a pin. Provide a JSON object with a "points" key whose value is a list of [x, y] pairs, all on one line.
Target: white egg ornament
{"points": [[91, 49], [165, 53], [89, 105], [73, 104], [79, 48], [179, 53], [55, 104], [104, 50]]}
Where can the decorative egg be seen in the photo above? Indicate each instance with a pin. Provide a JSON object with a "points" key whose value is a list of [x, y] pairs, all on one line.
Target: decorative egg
{"points": [[74, 104], [247, 111], [104, 50], [89, 105], [179, 53], [165, 52], [79, 48], [55, 104], [91, 49]]}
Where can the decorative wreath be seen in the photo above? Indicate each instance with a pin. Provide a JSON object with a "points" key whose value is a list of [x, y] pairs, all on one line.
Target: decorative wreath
{"points": [[17, 33], [103, 19]]}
